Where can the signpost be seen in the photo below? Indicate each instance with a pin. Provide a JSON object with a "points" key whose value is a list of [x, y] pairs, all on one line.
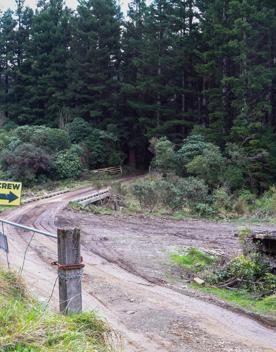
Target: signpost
{"points": [[10, 193]]}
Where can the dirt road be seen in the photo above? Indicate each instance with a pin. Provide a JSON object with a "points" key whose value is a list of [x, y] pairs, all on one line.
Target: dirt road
{"points": [[127, 262]]}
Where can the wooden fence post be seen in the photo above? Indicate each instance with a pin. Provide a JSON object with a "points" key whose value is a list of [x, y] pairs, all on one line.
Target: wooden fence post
{"points": [[70, 271]]}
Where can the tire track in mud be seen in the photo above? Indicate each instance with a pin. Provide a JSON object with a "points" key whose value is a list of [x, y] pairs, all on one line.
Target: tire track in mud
{"points": [[149, 316]]}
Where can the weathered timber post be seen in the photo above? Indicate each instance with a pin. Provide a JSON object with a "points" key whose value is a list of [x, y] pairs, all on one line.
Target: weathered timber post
{"points": [[70, 271]]}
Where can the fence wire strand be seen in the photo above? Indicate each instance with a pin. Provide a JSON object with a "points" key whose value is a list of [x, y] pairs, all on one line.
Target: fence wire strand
{"points": [[52, 293], [23, 264], [60, 275], [25, 253]]}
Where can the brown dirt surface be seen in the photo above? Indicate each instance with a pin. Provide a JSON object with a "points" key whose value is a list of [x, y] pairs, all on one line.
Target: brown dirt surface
{"points": [[126, 275]]}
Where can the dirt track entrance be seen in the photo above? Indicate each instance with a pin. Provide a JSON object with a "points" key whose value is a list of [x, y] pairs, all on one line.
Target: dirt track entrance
{"points": [[126, 266]]}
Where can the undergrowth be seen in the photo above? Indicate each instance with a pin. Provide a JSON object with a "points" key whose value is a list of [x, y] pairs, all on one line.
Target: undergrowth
{"points": [[186, 198], [91, 208], [189, 197], [247, 280], [27, 326]]}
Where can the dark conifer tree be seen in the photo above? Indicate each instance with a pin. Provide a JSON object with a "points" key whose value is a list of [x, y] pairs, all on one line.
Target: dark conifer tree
{"points": [[23, 17], [94, 62], [131, 98], [7, 61], [172, 67], [187, 83], [45, 69]]}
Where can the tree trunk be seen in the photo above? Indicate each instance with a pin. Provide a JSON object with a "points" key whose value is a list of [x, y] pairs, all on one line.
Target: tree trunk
{"points": [[158, 95], [225, 64], [204, 103], [132, 158], [183, 97]]}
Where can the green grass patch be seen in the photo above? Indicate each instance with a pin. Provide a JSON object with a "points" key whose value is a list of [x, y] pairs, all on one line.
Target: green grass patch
{"points": [[27, 326], [194, 260], [243, 299]]}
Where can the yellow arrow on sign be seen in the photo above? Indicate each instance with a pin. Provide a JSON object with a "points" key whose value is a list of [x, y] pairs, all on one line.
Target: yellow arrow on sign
{"points": [[10, 193]]}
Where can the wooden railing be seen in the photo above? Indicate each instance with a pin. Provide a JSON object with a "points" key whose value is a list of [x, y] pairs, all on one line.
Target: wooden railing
{"points": [[94, 197], [113, 170]]}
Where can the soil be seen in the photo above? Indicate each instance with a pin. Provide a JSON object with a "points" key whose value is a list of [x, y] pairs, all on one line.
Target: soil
{"points": [[129, 279]]}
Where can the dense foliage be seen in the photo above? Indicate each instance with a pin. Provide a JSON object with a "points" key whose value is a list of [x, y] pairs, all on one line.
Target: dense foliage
{"points": [[199, 178], [250, 271], [35, 153], [247, 280], [175, 69]]}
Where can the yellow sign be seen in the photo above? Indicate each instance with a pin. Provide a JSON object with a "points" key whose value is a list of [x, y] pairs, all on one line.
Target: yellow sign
{"points": [[10, 193]]}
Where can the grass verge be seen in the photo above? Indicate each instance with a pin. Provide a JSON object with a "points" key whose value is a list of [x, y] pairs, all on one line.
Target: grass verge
{"points": [[195, 262], [244, 299], [26, 326]]}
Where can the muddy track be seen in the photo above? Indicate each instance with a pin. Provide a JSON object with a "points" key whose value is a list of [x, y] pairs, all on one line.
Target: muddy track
{"points": [[126, 268]]}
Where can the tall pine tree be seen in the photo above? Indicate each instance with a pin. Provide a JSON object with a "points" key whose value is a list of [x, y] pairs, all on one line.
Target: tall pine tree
{"points": [[45, 71], [131, 97], [7, 61], [94, 61]]}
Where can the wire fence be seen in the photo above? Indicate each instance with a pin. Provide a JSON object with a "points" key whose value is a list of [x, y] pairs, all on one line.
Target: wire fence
{"points": [[4, 246]]}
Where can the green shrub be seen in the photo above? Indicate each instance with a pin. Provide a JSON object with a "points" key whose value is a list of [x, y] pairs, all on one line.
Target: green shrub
{"points": [[266, 205], [192, 191], [145, 192], [49, 149], [204, 209], [78, 129], [251, 269], [233, 177], [167, 193], [52, 139], [244, 203], [164, 155], [157, 191], [102, 149], [5, 139], [9, 125], [245, 239], [247, 196], [209, 165], [192, 147], [254, 160], [268, 285], [222, 201], [246, 268], [27, 162], [172, 192], [249, 272], [25, 133], [68, 163]]}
